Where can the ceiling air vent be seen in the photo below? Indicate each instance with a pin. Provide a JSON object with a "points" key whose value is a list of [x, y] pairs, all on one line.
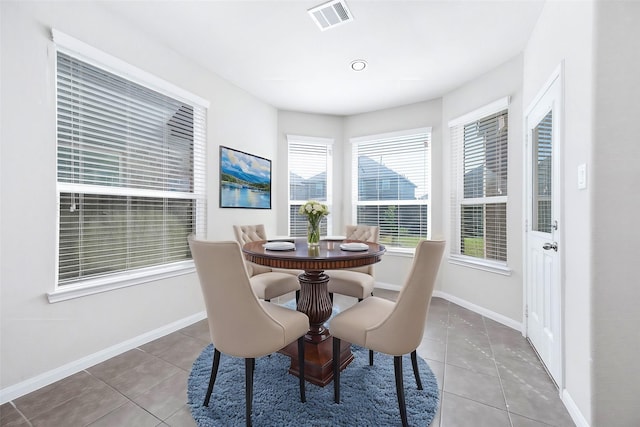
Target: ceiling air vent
{"points": [[331, 14]]}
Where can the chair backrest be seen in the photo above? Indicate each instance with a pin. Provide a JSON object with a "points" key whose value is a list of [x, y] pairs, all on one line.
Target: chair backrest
{"points": [[238, 323], [401, 332], [251, 233], [366, 233]]}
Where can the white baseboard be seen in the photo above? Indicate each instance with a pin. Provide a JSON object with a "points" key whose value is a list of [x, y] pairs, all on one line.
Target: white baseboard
{"points": [[574, 412], [388, 286], [466, 304], [480, 310], [42, 380], [20, 389]]}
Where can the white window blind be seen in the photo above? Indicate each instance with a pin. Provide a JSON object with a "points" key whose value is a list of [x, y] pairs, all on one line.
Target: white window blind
{"points": [[130, 174], [310, 174], [479, 196], [392, 185]]}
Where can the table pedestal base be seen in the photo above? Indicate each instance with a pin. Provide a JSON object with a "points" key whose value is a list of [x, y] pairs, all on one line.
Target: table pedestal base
{"points": [[314, 300], [318, 355]]}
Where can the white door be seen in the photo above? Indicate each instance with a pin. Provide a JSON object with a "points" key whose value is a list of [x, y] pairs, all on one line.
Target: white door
{"points": [[543, 246]]}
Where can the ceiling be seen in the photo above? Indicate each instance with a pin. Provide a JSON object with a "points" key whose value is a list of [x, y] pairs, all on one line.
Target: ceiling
{"points": [[416, 50]]}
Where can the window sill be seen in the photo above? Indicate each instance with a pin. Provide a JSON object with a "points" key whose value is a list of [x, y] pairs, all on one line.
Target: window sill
{"points": [[131, 278], [484, 265]]}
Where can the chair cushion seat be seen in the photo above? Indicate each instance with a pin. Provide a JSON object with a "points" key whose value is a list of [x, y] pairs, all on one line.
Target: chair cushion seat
{"points": [[353, 324], [294, 323], [350, 283], [273, 284]]}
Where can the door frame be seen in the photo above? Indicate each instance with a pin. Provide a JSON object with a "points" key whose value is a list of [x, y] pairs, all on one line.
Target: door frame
{"points": [[558, 170]]}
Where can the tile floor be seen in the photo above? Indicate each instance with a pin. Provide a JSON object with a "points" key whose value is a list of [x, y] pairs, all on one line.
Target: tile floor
{"points": [[487, 373]]}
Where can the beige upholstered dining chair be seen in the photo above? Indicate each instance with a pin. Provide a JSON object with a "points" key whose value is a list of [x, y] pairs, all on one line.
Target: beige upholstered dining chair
{"points": [[392, 328], [357, 282], [266, 283], [239, 323]]}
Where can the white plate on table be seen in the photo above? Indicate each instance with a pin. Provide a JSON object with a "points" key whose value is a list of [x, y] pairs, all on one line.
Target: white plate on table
{"points": [[279, 246], [354, 246]]}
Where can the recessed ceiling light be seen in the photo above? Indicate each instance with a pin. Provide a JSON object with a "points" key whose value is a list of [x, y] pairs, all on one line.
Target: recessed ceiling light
{"points": [[358, 65]]}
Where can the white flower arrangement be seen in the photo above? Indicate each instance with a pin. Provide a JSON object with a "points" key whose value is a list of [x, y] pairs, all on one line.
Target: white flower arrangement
{"points": [[314, 210]]}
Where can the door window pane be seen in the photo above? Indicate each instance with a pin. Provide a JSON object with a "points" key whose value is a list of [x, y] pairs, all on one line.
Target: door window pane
{"points": [[542, 188]]}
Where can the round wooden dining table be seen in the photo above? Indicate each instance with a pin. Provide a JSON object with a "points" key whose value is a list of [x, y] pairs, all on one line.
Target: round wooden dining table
{"points": [[314, 298]]}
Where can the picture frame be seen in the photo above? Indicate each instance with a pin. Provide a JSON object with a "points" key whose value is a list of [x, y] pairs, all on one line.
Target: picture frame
{"points": [[245, 180]]}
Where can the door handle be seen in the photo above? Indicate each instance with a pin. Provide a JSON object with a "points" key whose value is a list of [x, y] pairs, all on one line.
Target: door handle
{"points": [[548, 246]]}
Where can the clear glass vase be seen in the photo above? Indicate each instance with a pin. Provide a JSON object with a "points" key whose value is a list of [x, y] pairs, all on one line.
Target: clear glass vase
{"points": [[313, 232]]}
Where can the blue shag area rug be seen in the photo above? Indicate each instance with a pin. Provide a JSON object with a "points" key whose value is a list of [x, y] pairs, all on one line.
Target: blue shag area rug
{"points": [[368, 393]]}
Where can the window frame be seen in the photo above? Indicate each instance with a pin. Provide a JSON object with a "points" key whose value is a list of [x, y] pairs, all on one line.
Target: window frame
{"points": [[457, 191], [355, 202], [94, 57], [311, 141]]}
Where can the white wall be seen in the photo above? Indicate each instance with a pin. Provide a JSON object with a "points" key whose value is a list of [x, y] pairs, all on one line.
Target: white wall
{"points": [[601, 241], [614, 222], [392, 270], [494, 292], [421, 114], [239, 121], [319, 126], [453, 281], [38, 337], [564, 35]]}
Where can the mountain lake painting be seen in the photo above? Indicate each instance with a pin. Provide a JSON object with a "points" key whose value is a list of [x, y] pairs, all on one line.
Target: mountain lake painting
{"points": [[245, 180]]}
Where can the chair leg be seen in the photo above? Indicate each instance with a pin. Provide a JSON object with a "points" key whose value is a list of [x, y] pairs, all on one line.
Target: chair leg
{"points": [[397, 365], [414, 362], [249, 364], [303, 397], [370, 357], [336, 370], [214, 373]]}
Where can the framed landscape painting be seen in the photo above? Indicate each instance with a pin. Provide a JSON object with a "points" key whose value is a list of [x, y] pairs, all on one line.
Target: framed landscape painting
{"points": [[245, 180]]}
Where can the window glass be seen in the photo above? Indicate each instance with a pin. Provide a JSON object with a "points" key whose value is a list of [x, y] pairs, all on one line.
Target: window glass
{"points": [[391, 175], [480, 165], [543, 150], [130, 173], [309, 179]]}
